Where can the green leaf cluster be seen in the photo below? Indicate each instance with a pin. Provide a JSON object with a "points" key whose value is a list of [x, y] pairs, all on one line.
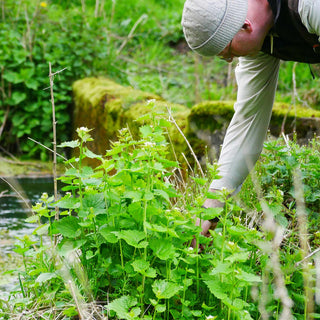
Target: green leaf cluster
{"points": [[121, 237]]}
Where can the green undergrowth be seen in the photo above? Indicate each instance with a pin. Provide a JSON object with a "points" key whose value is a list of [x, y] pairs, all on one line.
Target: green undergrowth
{"points": [[121, 248], [143, 47]]}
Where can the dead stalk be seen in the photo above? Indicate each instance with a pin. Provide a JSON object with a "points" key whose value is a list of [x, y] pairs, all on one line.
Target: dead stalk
{"points": [[130, 35], [54, 123], [172, 120], [304, 244]]}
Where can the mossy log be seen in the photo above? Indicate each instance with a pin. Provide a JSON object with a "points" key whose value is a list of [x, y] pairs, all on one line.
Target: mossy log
{"points": [[106, 107]]}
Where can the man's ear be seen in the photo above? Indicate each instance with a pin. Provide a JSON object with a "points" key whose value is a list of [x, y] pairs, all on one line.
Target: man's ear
{"points": [[247, 25]]}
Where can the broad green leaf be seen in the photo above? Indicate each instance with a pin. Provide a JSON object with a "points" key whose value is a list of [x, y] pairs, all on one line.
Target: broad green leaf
{"points": [[132, 237], [247, 277], [68, 227], [145, 131], [43, 277], [33, 219], [70, 144], [32, 84], [164, 123], [164, 289], [68, 202], [211, 213], [160, 308], [95, 201], [125, 308], [151, 273], [163, 248], [239, 304], [136, 211], [221, 268], [134, 195], [158, 166], [140, 265], [86, 172], [88, 153], [16, 98], [26, 74], [216, 289], [155, 227], [68, 246], [198, 314], [199, 181], [90, 254], [238, 257], [245, 315], [162, 194], [71, 172], [148, 196], [12, 77], [108, 234], [42, 229]]}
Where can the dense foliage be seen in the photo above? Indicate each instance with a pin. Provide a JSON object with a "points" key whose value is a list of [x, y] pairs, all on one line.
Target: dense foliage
{"points": [[122, 245], [121, 248]]}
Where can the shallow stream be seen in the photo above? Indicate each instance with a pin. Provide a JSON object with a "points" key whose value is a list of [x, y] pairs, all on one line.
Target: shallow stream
{"points": [[14, 201]]}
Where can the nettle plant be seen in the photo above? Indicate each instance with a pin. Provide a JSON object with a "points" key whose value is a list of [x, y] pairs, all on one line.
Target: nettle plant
{"points": [[124, 237]]}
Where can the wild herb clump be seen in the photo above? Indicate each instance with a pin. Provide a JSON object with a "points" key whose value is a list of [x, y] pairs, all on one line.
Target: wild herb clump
{"points": [[124, 236], [121, 248]]}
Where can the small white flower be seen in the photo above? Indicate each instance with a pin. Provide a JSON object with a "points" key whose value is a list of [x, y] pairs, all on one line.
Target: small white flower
{"points": [[149, 143], [190, 249], [210, 317], [84, 129]]}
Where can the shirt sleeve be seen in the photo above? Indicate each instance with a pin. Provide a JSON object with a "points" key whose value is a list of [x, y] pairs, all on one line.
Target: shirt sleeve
{"points": [[257, 79], [309, 11]]}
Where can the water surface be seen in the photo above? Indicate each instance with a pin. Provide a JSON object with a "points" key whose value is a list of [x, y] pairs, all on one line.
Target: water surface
{"points": [[14, 201]]}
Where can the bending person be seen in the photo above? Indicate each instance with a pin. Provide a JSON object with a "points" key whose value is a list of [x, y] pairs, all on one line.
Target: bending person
{"points": [[260, 33]]}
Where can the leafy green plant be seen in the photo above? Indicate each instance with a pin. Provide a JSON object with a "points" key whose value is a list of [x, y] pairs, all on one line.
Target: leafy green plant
{"points": [[275, 175], [124, 237]]}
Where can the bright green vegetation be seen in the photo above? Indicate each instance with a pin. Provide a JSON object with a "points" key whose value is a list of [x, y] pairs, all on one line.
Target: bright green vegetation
{"points": [[122, 245], [137, 43]]}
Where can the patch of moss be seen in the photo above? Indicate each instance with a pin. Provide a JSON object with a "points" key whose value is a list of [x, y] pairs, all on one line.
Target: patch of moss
{"points": [[301, 120], [94, 92], [211, 115], [20, 168], [282, 109], [107, 107]]}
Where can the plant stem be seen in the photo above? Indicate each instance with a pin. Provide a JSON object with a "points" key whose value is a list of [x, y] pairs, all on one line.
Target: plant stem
{"points": [[55, 185]]}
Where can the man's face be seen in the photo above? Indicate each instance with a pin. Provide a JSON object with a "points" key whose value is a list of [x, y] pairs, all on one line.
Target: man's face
{"points": [[244, 43]]}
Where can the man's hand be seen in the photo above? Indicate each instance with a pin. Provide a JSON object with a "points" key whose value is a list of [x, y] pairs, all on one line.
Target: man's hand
{"points": [[207, 225]]}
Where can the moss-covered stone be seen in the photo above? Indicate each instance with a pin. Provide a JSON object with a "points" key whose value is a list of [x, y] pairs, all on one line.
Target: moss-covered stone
{"points": [[304, 122], [206, 127], [20, 168], [107, 107]]}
